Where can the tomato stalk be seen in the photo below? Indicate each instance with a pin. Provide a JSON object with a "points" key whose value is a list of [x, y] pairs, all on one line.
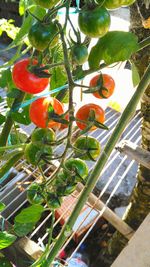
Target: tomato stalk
{"points": [[124, 120], [9, 120], [4, 148]]}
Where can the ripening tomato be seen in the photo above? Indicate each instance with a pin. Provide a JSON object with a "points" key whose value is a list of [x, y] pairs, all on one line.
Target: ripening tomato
{"points": [[27, 81], [43, 35], [105, 83], [87, 148], [34, 194], [42, 109], [76, 168], [42, 136], [84, 112]]}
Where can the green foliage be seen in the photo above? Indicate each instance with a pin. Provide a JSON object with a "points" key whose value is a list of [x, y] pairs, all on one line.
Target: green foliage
{"points": [[2, 206], [59, 76], [22, 229], [8, 27], [2, 119], [135, 75], [6, 239], [31, 214], [115, 46]]}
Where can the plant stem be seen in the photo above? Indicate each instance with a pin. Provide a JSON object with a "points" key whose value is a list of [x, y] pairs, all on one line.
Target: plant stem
{"points": [[10, 163], [9, 121], [4, 148], [124, 120]]}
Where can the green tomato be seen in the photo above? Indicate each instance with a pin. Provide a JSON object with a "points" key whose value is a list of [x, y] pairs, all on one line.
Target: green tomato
{"points": [[94, 23], [53, 201], [66, 190], [79, 54], [88, 148], [77, 168], [42, 35], [32, 153], [34, 195], [47, 3], [42, 136]]}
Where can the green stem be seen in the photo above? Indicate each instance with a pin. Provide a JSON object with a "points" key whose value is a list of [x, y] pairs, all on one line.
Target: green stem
{"points": [[123, 122], [10, 163], [144, 43], [4, 148], [9, 121]]}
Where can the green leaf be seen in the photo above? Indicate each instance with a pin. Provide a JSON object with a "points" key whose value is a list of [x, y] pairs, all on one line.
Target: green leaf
{"points": [[6, 239], [22, 117], [14, 93], [2, 119], [2, 206], [22, 229], [31, 214], [135, 75], [115, 46], [59, 76], [5, 78], [22, 32]]}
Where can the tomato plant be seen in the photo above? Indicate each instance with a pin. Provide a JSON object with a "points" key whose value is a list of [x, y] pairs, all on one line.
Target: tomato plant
{"points": [[83, 115], [43, 111], [43, 35], [25, 80], [87, 148], [94, 23], [105, 84], [52, 56]]}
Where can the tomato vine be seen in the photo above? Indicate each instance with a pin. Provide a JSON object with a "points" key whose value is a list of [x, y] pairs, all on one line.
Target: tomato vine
{"points": [[55, 60]]}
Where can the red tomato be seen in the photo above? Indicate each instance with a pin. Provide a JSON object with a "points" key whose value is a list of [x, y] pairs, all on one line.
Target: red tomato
{"points": [[39, 112], [27, 81], [83, 114], [107, 82]]}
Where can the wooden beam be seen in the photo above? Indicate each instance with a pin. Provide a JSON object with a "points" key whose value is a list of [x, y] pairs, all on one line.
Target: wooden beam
{"points": [[136, 253], [108, 214], [135, 152]]}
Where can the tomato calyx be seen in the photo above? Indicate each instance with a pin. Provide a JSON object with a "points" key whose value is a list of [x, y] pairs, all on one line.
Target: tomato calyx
{"points": [[39, 71], [52, 115], [90, 122], [100, 88]]}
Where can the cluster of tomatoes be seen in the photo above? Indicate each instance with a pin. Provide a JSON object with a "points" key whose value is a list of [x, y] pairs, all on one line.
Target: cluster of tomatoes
{"points": [[73, 170], [43, 113], [47, 113], [44, 110]]}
